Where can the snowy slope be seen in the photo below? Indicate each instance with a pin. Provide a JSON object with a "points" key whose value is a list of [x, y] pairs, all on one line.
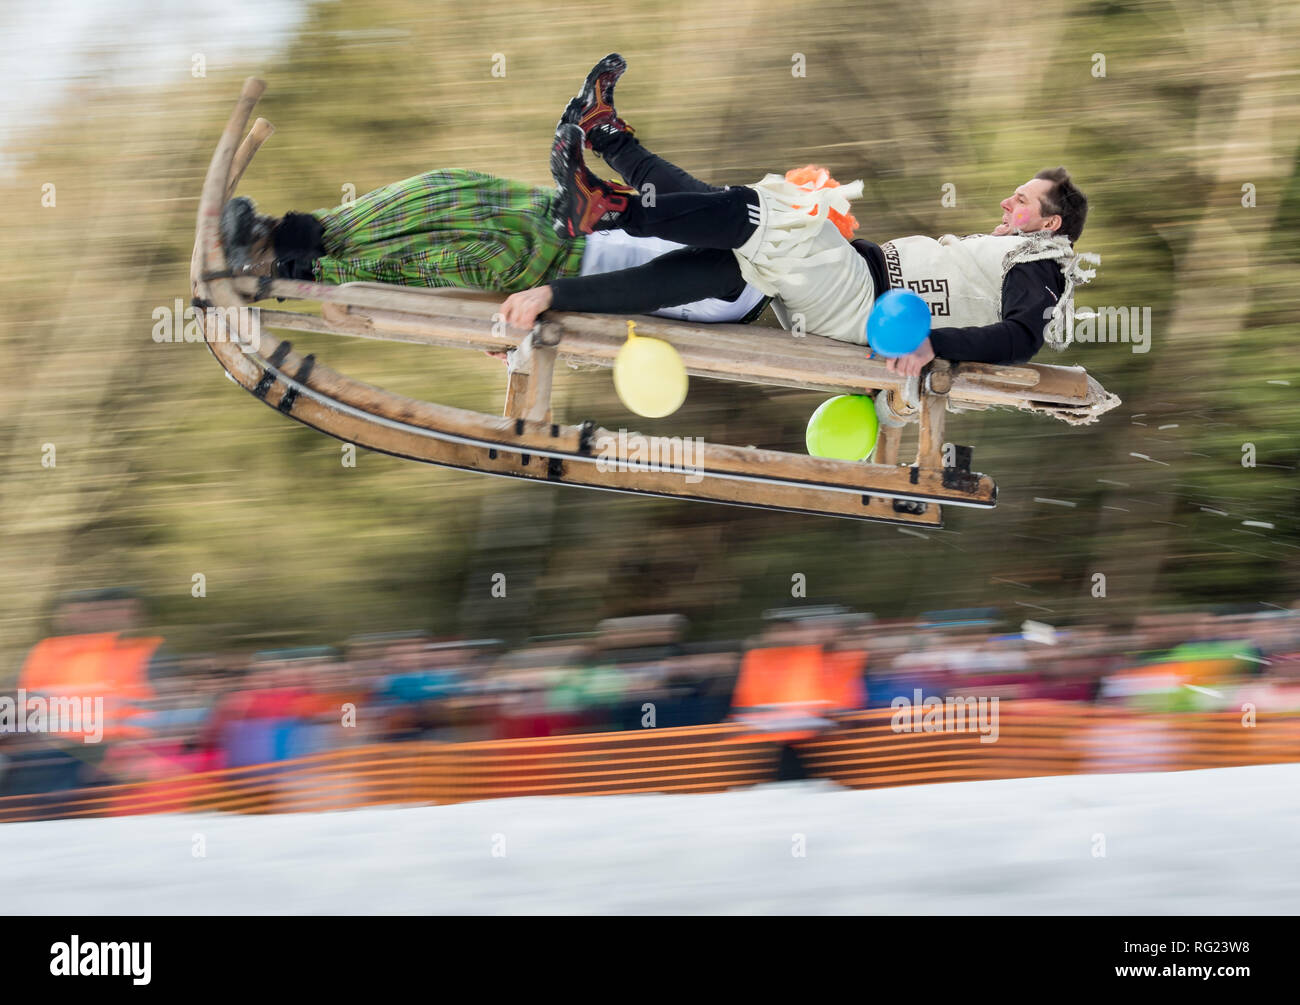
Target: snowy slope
{"points": [[1220, 841]]}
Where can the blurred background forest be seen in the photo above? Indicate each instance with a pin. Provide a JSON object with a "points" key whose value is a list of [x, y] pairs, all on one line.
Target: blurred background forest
{"points": [[1181, 121]]}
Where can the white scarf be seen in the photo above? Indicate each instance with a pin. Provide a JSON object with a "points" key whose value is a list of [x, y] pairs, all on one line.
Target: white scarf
{"points": [[1057, 247]]}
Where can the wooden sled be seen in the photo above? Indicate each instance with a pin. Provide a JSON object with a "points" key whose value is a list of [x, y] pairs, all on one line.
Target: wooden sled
{"points": [[526, 443]]}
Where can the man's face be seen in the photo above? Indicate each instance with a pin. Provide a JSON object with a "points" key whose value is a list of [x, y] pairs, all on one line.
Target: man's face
{"points": [[1022, 211]]}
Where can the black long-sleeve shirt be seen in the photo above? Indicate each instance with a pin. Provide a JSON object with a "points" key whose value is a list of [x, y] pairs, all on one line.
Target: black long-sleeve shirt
{"points": [[1029, 292]]}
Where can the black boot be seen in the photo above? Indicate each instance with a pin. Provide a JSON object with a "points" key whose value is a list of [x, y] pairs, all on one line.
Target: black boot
{"points": [[246, 238], [593, 110], [583, 202]]}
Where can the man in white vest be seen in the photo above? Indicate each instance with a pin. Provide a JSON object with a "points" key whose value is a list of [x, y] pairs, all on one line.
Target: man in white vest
{"points": [[993, 298]]}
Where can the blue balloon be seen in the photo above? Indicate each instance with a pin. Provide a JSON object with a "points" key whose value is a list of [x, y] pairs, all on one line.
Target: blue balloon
{"points": [[898, 323]]}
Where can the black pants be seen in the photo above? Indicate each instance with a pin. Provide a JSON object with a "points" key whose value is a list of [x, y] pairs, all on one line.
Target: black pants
{"points": [[679, 208]]}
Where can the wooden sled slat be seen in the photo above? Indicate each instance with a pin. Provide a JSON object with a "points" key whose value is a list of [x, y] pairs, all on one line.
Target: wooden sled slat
{"points": [[738, 353]]}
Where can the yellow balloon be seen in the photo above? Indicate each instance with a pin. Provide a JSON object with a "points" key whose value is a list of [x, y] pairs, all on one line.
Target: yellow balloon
{"points": [[649, 375]]}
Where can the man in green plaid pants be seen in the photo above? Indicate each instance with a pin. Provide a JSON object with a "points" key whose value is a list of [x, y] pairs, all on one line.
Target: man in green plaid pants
{"points": [[450, 227]]}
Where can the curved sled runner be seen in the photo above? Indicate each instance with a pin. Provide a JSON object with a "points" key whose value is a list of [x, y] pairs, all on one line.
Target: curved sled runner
{"points": [[526, 443]]}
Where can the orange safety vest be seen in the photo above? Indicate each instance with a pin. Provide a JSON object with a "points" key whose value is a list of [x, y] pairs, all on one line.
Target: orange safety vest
{"points": [[786, 692], [102, 665]]}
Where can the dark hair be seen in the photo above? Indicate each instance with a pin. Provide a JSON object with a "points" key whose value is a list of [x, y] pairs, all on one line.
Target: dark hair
{"points": [[297, 238], [1065, 199]]}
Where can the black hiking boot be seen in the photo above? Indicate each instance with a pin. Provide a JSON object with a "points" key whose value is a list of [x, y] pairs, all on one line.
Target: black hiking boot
{"points": [[593, 110], [583, 202], [246, 238]]}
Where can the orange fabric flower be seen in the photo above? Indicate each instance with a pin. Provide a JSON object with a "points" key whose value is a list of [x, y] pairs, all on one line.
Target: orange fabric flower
{"points": [[812, 177]]}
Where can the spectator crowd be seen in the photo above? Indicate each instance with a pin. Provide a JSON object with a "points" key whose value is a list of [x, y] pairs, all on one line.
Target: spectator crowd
{"points": [[169, 714]]}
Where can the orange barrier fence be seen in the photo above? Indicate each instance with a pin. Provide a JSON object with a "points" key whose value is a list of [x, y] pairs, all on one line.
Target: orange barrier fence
{"points": [[863, 751], [1036, 738]]}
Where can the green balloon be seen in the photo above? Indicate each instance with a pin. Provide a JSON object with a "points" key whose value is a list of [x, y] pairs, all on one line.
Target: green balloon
{"points": [[843, 428]]}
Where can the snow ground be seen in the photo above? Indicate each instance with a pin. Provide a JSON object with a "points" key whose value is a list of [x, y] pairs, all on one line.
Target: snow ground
{"points": [[1214, 842]]}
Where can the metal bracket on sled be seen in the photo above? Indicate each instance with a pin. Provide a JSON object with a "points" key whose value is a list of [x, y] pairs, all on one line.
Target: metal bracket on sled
{"points": [[276, 360], [291, 395]]}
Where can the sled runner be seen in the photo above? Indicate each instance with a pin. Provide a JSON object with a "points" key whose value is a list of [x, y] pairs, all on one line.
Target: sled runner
{"points": [[526, 442]]}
